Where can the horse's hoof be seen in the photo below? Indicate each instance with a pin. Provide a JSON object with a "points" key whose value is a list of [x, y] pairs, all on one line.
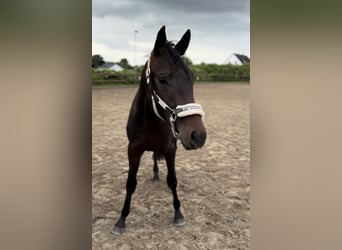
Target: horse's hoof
{"points": [[156, 180], [118, 230], [179, 222]]}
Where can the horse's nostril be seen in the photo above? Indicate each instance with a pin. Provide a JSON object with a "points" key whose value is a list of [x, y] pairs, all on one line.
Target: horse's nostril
{"points": [[195, 138]]}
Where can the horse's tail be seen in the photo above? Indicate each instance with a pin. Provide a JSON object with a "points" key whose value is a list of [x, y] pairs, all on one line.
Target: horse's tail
{"points": [[157, 156]]}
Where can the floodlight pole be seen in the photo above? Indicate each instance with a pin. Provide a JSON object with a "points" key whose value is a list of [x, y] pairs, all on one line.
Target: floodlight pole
{"points": [[135, 48]]}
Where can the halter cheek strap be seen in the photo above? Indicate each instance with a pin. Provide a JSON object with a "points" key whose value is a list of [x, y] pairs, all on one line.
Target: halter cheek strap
{"points": [[157, 99], [154, 95], [180, 111]]}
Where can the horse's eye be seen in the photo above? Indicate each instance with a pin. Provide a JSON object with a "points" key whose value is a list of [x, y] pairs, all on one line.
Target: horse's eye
{"points": [[162, 81]]}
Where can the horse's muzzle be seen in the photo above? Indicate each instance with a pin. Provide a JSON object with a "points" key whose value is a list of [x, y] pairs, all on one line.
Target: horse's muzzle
{"points": [[192, 132], [197, 139]]}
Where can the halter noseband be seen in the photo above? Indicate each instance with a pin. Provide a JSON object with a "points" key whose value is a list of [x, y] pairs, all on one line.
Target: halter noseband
{"points": [[180, 110]]}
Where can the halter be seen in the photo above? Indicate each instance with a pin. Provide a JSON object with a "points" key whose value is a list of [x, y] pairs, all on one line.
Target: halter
{"points": [[180, 110]]}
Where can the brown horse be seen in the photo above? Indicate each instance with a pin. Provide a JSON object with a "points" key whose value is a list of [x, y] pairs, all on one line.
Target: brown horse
{"points": [[163, 111]]}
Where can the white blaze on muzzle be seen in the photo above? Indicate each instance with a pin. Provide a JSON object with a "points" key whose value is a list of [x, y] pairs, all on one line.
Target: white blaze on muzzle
{"points": [[180, 111]]}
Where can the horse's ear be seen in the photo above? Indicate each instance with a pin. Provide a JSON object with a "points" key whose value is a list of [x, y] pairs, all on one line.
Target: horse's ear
{"points": [[183, 44], [160, 40]]}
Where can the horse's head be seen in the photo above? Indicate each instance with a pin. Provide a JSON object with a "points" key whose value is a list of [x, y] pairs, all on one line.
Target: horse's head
{"points": [[171, 85]]}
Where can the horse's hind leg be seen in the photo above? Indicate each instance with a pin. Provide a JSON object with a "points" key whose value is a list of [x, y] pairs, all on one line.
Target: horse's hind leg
{"points": [[172, 183], [155, 178], [134, 160]]}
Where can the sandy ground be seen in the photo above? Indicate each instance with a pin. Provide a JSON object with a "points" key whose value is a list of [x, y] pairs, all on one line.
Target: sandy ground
{"points": [[213, 182]]}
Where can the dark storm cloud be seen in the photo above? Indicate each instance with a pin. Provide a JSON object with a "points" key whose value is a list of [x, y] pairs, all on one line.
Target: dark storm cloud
{"points": [[216, 25], [204, 6], [135, 8], [105, 8], [208, 16]]}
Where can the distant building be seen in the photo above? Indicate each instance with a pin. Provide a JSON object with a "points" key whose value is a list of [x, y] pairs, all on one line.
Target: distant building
{"points": [[110, 66], [237, 59]]}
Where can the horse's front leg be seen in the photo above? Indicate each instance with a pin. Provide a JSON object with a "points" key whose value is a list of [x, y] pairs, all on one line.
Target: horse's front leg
{"points": [[134, 156], [172, 183], [155, 178]]}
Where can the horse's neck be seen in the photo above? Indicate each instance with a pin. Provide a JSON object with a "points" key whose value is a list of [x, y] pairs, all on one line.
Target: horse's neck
{"points": [[144, 102]]}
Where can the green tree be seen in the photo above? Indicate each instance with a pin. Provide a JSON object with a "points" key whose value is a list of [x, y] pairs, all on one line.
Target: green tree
{"points": [[187, 61], [221, 72], [124, 64], [97, 61]]}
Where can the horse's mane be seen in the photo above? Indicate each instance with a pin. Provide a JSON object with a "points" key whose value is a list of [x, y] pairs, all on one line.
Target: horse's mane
{"points": [[175, 57], [172, 52]]}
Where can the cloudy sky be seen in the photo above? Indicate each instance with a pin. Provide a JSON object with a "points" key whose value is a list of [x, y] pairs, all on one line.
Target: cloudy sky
{"points": [[218, 28]]}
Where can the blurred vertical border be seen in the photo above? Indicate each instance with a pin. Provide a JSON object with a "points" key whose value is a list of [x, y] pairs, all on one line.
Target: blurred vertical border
{"points": [[296, 123], [45, 109]]}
